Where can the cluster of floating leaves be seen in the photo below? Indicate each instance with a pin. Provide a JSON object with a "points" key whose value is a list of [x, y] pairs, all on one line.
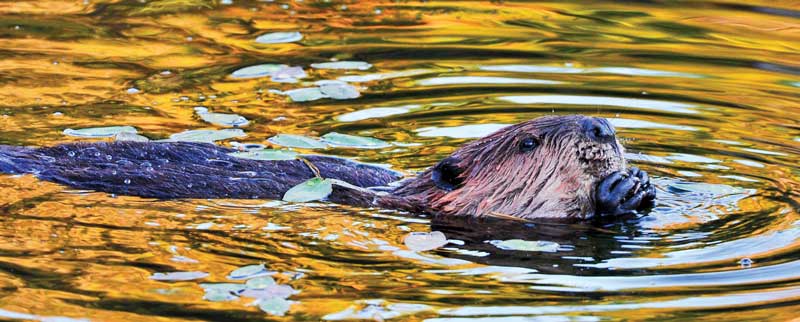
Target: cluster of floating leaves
{"points": [[268, 295], [331, 139], [325, 89], [333, 89]]}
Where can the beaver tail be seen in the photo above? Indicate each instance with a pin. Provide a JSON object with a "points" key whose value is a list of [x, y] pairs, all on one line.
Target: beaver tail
{"points": [[17, 160]]}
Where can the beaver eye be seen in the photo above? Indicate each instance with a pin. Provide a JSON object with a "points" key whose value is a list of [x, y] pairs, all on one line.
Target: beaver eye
{"points": [[528, 144]]}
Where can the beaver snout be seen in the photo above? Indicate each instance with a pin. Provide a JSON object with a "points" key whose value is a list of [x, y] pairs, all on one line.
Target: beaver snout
{"points": [[598, 129]]}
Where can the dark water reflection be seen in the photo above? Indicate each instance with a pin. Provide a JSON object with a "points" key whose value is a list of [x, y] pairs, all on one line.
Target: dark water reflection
{"points": [[704, 96]]}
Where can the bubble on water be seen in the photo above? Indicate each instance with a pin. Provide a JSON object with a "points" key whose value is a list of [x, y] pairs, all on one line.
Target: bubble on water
{"points": [[746, 262], [133, 90], [109, 157], [127, 181], [378, 11], [58, 114], [71, 153]]}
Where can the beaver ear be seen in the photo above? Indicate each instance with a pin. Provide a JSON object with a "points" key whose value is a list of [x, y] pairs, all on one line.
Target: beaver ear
{"points": [[445, 174]]}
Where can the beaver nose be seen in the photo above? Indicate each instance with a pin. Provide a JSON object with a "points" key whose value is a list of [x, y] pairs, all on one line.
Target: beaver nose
{"points": [[598, 129]]}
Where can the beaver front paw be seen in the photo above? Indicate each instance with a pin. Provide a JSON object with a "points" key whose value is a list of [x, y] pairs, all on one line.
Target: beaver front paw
{"points": [[624, 192]]}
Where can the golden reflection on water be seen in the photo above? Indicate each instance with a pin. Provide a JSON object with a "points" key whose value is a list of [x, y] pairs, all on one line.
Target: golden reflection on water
{"points": [[727, 72]]}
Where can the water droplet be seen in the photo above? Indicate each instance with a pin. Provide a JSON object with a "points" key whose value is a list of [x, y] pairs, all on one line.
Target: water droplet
{"points": [[378, 11], [127, 181], [746, 262]]}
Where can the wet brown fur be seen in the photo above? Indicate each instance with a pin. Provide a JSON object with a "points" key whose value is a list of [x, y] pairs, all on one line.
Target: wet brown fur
{"points": [[556, 179]]}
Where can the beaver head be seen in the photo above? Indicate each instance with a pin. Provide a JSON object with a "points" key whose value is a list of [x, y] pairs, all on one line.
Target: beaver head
{"points": [[544, 168]]}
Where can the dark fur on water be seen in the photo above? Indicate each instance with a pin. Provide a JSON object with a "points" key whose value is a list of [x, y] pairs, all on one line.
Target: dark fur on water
{"points": [[168, 170], [550, 167]]}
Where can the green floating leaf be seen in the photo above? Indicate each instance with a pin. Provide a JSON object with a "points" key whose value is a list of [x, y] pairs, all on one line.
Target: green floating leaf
{"points": [[100, 132], [525, 245], [310, 190], [279, 37], [257, 71], [260, 282], [339, 91], [223, 287], [250, 271], [353, 141], [219, 296], [420, 241], [223, 119], [268, 292], [266, 155], [221, 292], [297, 141], [274, 306], [132, 137], [359, 65], [207, 135], [305, 94]]}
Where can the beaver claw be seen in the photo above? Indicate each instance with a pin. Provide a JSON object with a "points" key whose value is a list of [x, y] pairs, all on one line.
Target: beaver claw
{"points": [[624, 192]]}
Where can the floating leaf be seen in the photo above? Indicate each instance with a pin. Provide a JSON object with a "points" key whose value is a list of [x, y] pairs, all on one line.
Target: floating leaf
{"points": [[100, 132], [222, 292], [266, 155], [207, 135], [260, 282], [297, 141], [256, 71], [525, 245], [250, 271], [310, 190], [223, 287], [178, 276], [274, 306], [268, 292], [128, 136], [359, 65], [305, 94], [219, 296], [353, 141], [339, 91], [289, 74], [420, 241], [223, 119], [279, 37]]}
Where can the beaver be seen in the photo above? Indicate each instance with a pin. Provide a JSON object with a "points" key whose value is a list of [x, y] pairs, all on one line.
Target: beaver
{"points": [[548, 167]]}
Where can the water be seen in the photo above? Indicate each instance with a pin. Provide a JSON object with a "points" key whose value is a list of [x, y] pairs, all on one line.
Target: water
{"points": [[704, 96]]}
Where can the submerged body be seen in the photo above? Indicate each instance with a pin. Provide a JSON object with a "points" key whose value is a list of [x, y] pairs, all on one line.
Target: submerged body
{"points": [[565, 166]]}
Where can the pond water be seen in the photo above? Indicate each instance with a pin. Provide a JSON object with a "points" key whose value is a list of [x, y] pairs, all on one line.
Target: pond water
{"points": [[705, 96]]}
